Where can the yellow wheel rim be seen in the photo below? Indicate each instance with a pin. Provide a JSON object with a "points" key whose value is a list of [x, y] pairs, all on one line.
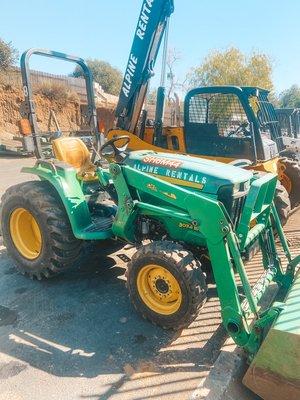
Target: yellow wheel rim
{"points": [[159, 289], [25, 233]]}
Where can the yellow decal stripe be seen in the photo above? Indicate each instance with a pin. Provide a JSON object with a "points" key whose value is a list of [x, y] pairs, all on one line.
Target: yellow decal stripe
{"points": [[179, 182]]}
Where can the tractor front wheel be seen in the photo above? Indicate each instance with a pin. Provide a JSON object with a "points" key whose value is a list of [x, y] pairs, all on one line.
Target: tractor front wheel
{"points": [[290, 179], [166, 284], [36, 230]]}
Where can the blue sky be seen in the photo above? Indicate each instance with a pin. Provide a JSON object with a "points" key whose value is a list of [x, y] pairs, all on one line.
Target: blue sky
{"points": [[104, 29]]}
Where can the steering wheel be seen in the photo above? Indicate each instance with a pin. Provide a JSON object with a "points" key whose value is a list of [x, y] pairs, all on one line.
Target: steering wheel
{"points": [[111, 152], [240, 129]]}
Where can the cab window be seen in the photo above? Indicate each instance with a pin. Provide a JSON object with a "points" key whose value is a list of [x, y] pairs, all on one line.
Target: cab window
{"points": [[218, 115], [217, 125]]}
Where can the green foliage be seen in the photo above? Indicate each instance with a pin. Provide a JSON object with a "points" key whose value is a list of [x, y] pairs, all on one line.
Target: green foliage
{"points": [[107, 76], [232, 67], [8, 55], [290, 98], [56, 92]]}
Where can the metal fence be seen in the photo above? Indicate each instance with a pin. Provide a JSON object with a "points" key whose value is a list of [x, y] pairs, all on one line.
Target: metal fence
{"points": [[76, 85]]}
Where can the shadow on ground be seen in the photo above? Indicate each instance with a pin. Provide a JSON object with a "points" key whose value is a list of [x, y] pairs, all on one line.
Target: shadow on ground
{"points": [[82, 324]]}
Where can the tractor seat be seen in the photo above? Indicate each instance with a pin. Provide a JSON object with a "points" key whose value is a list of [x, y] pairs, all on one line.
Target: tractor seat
{"points": [[74, 152]]}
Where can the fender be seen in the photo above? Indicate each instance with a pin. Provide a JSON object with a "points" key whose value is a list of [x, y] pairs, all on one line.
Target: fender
{"points": [[63, 178]]}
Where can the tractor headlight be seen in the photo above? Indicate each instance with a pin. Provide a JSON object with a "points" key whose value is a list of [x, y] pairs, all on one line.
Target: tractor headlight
{"points": [[236, 189], [241, 188]]}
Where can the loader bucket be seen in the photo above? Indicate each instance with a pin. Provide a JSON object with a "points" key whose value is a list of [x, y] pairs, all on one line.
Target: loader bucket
{"points": [[275, 370]]}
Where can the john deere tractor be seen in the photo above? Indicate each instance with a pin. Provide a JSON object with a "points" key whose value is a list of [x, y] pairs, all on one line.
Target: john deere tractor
{"points": [[174, 209]]}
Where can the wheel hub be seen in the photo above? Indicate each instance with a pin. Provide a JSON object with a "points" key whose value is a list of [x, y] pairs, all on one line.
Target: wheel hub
{"points": [[159, 289], [162, 286]]}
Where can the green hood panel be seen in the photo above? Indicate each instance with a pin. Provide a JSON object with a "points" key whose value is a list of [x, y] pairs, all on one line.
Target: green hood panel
{"points": [[183, 170]]}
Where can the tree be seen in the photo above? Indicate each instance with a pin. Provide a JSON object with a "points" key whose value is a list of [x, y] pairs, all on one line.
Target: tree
{"points": [[151, 96], [8, 55], [232, 67], [173, 57], [290, 98], [105, 74], [174, 83]]}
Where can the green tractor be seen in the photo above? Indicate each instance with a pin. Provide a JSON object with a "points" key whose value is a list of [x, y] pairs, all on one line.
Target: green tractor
{"points": [[176, 210], [173, 208]]}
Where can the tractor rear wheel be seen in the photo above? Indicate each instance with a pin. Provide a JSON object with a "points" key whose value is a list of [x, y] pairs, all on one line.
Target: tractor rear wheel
{"points": [[282, 203], [36, 230], [291, 180], [166, 284]]}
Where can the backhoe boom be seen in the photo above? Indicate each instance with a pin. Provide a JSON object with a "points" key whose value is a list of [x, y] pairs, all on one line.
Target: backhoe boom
{"points": [[147, 40]]}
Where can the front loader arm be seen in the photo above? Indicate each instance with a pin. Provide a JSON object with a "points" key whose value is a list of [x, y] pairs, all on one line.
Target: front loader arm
{"points": [[205, 220]]}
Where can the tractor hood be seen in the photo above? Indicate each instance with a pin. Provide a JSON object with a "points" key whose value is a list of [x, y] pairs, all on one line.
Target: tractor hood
{"points": [[205, 175]]}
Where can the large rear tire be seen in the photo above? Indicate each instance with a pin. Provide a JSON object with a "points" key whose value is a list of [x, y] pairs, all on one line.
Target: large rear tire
{"points": [[36, 230], [291, 180], [166, 284], [282, 203]]}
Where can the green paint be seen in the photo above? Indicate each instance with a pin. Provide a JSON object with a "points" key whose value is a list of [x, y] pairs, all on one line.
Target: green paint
{"points": [[279, 354], [191, 212], [70, 190]]}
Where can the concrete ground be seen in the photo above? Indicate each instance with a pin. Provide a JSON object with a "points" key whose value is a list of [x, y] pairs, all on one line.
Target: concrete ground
{"points": [[78, 337]]}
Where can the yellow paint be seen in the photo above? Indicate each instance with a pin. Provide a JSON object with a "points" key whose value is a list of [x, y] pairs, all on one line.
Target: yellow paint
{"points": [[185, 225], [164, 302], [152, 187], [135, 142], [74, 152], [254, 104], [170, 195], [25, 233], [267, 166], [149, 135], [283, 177], [171, 132], [138, 144]]}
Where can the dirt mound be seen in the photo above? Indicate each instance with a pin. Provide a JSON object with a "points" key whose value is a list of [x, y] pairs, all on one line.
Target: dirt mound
{"points": [[69, 116]]}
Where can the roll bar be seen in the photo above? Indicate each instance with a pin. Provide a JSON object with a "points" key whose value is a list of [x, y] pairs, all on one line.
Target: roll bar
{"points": [[28, 91]]}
